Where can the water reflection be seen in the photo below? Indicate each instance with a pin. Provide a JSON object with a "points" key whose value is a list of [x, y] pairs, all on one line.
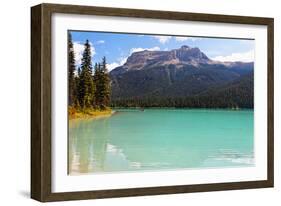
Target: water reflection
{"points": [[87, 145]]}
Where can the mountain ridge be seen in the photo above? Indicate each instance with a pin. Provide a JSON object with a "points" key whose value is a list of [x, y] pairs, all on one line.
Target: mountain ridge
{"points": [[178, 73], [185, 55]]}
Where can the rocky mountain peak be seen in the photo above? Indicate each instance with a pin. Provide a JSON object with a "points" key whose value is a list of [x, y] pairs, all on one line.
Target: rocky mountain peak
{"points": [[181, 56], [185, 47], [189, 54]]}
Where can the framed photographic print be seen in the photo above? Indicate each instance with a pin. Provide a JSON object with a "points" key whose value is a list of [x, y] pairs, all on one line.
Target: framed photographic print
{"points": [[132, 102]]}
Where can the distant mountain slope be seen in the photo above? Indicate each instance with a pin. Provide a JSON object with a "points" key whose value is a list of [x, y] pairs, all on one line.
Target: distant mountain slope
{"points": [[179, 73], [238, 93]]}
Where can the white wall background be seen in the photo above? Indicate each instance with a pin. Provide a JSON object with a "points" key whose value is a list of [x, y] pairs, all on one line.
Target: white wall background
{"points": [[15, 102]]}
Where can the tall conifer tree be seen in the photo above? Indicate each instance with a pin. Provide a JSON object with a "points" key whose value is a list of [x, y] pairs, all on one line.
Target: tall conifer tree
{"points": [[102, 81], [97, 79], [71, 70], [106, 84], [86, 83]]}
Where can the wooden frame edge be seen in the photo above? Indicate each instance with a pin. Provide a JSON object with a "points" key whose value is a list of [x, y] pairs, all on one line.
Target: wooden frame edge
{"points": [[270, 102], [40, 103], [101, 194], [36, 58]]}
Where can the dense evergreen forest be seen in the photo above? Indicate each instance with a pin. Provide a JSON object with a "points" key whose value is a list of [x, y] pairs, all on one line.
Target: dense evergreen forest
{"points": [[237, 94], [89, 88], [222, 101]]}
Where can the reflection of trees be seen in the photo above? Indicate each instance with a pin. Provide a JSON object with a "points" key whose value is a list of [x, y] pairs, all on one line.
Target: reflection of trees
{"points": [[87, 145]]}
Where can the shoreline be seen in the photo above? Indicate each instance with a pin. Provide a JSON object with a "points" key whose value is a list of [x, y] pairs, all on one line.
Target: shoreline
{"points": [[96, 114], [184, 108], [90, 114]]}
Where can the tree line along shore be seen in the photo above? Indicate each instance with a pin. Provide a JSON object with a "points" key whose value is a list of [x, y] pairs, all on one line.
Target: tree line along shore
{"points": [[89, 88]]}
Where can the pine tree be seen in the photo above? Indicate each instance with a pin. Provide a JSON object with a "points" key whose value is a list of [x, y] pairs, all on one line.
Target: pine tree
{"points": [[76, 92], [86, 83], [77, 89], [106, 84], [71, 70], [97, 79], [102, 81]]}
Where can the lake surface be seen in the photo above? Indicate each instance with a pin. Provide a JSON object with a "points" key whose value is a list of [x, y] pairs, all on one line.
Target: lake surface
{"points": [[158, 139]]}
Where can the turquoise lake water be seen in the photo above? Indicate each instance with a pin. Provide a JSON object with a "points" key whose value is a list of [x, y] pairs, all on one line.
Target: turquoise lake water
{"points": [[158, 139]]}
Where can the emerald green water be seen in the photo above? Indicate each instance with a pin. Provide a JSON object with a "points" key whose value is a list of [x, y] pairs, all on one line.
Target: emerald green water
{"points": [[156, 139]]}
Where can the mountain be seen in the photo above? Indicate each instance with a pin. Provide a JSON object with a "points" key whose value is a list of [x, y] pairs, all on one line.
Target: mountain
{"points": [[180, 73], [237, 93]]}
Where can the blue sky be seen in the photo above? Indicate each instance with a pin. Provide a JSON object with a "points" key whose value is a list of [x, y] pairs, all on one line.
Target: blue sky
{"points": [[117, 46]]}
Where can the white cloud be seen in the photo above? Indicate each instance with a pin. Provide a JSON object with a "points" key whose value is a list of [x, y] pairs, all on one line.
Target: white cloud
{"points": [[120, 62], [156, 48], [243, 57], [112, 66], [183, 38], [100, 42], [166, 39], [79, 49], [162, 39]]}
